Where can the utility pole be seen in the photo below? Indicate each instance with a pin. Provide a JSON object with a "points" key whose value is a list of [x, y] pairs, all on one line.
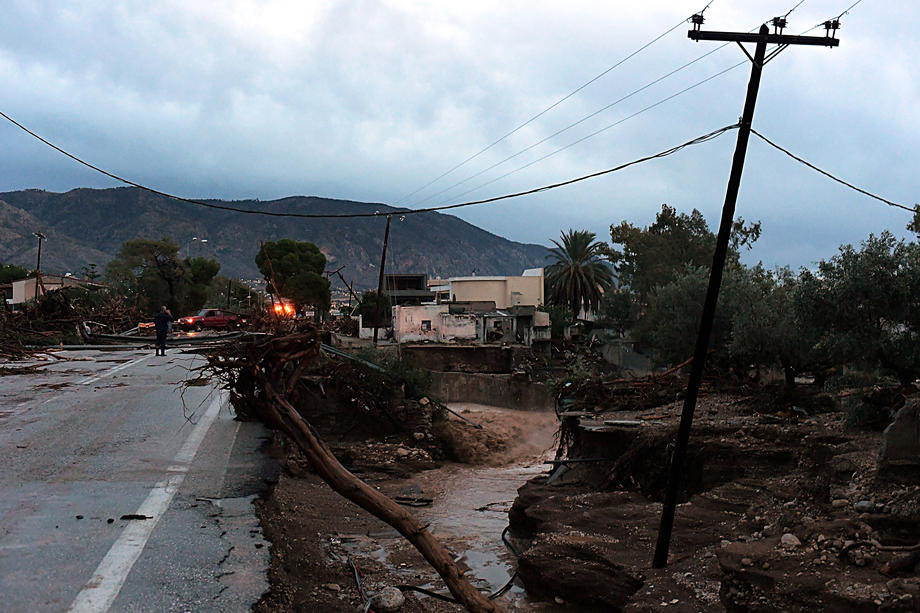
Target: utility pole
{"points": [[38, 264], [762, 39], [383, 261]]}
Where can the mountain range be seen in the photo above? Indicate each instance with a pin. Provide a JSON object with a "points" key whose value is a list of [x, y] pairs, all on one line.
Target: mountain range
{"points": [[87, 226]]}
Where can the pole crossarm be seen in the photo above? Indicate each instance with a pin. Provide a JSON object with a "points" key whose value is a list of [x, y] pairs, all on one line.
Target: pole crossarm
{"points": [[770, 39]]}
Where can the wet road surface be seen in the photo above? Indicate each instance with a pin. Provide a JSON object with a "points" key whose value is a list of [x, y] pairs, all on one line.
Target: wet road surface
{"points": [[87, 443]]}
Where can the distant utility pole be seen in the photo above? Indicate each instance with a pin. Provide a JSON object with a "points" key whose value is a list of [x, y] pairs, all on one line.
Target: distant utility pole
{"points": [[38, 264], [383, 262], [762, 39]]}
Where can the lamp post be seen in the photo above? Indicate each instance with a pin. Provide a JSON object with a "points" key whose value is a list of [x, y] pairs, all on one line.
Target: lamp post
{"points": [[38, 264]]}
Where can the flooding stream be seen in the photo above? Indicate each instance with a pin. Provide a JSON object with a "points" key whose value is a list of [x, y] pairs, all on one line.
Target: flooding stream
{"points": [[471, 502]]}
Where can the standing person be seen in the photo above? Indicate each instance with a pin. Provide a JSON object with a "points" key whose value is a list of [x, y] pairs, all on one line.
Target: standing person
{"points": [[161, 322]]}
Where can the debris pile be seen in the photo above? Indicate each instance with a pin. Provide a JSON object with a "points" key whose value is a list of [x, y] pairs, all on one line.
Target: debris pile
{"points": [[270, 379], [54, 319]]}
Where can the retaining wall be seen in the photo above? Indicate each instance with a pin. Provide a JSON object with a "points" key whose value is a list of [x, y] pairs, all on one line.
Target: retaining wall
{"points": [[500, 390]]}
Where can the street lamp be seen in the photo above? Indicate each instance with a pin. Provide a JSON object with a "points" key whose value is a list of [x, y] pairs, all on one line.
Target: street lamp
{"points": [[38, 264]]}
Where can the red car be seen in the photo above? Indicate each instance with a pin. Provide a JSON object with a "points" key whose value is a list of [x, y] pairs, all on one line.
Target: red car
{"points": [[211, 318]]}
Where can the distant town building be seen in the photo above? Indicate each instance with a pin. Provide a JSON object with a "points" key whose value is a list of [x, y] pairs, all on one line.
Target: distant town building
{"points": [[407, 288], [27, 289], [493, 309]]}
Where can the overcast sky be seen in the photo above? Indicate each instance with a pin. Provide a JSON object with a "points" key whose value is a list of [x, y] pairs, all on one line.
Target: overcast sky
{"points": [[372, 100]]}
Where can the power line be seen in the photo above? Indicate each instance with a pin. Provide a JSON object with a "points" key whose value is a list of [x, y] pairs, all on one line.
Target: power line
{"points": [[585, 118], [553, 105], [848, 9], [604, 129], [832, 19], [572, 125], [829, 175], [698, 140], [790, 11]]}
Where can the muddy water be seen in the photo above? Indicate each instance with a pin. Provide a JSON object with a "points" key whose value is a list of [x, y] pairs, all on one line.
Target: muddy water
{"points": [[471, 502], [473, 511]]}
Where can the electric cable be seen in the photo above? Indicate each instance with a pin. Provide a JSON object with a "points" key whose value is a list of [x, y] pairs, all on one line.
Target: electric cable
{"points": [[604, 129], [553, 105], [660, 154], [848, 9], [830, 176], [585, 118], [790, 11], [572, 125]]}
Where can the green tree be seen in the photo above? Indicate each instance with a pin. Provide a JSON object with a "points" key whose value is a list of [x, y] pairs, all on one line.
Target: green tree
{"points": [[151, 272], [90, 272], [914, 225], [241, 295], [297, 269], [578, 276], [866, 304], [11, 272], [618, 309], [651, 257], [367, 309]]}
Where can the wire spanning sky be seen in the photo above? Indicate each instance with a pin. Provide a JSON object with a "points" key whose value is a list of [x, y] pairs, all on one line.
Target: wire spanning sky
{"points": [[372, 100]]}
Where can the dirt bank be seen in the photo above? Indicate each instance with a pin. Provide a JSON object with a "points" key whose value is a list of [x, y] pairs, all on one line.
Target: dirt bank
{"points": [[314, 531], [782, 511]]}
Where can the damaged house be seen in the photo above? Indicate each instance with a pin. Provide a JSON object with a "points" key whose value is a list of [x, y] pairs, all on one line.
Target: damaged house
{"points": [[493, 309]]}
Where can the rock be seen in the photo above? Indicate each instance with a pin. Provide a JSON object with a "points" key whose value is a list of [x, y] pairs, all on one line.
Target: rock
{"points": [[899, 459], [580, 568], [419, 436], [790, 540], [864, 506], [558, 600], [840, 503], [402, 452], [423, 401], [332, 587], [412, 489], [388, 600], [747, 562]]}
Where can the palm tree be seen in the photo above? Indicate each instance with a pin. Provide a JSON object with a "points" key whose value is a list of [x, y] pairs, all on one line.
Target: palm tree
{"points": [[578, 277]]}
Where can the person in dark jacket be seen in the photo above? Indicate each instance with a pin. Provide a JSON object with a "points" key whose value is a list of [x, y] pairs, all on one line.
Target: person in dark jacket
{"points": [[161, 323]]}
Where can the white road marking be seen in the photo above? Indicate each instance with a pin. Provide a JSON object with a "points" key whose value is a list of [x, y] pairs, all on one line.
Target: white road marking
{"points": [[114, 370], [101, 590]]}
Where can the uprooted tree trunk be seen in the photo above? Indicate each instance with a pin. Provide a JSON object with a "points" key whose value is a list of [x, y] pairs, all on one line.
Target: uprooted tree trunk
{"points": [[261, 378]]}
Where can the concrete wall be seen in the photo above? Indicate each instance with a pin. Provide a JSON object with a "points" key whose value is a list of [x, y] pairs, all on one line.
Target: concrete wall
{"points": [[24, 289], [408, 322], [368, 333], [462, 326], [464, 358], [505, 292], [411, 327], [498, 390], [471, 289], [525, 290]]}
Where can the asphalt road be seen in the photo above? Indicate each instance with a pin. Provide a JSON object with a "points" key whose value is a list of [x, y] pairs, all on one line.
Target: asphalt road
{"points": [[88, 442]]}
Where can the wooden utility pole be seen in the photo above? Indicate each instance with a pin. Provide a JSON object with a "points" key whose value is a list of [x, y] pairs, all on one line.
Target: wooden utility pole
{"points": [[762, 39], [383, 262], [38, 264]]}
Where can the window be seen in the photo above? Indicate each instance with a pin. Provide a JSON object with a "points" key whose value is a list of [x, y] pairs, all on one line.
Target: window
{"points": [[426, 325]]}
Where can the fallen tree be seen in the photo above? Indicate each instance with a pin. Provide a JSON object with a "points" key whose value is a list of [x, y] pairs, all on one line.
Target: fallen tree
{"points": [[262, 378]]}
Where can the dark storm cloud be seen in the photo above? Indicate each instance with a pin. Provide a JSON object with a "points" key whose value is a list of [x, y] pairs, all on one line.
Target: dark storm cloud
{"points": [[371, 100]]}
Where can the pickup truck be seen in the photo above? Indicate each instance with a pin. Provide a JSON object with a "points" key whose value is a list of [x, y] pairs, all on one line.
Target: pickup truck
{"points": [[210, 318]]}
